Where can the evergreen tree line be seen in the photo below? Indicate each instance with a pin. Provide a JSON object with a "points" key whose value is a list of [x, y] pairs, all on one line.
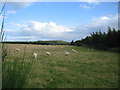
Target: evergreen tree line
{"points": [[39, 42], [101, 40]]}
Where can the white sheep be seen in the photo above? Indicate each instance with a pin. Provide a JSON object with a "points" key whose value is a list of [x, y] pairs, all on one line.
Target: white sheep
{"points": [[92, 49], [17, 49], [66, 53], [61, 47], [74, 50], [35, 55], [88, 49], [51, 80], [47, 53]]}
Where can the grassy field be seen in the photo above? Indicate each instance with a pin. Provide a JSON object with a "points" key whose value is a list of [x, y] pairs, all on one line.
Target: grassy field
{"points": [[84, 69]]}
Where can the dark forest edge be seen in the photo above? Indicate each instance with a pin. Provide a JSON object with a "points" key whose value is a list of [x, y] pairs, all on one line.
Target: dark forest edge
{"points": [[102, 41], [39, 42]]}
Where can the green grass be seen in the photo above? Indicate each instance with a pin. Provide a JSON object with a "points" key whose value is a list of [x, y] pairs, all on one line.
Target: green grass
{"points": [[84, 69]]}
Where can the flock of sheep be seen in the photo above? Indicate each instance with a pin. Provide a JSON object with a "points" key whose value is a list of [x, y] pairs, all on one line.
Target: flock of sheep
{"points": [[49, 54], [66, 53]]}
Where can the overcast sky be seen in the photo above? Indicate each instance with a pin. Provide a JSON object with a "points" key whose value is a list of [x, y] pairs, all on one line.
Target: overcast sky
{"points": [[32, 21]]}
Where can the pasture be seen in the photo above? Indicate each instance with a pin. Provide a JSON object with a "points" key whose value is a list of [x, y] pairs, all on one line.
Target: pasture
{"points": [[83, 69]]}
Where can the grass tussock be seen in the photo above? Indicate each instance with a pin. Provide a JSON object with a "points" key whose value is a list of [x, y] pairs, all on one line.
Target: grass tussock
{"points": [[16, 71]]}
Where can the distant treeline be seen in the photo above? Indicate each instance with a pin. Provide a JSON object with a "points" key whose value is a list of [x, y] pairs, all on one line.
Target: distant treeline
{"points": [[101, 40], [39, 42]]}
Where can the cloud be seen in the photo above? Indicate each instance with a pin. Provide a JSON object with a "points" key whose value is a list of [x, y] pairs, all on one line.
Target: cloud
{"points": [[43, 30], [22, 0], [18, 5], [85, 6], [50, 27], [36, 30], [11, 12], [104, 18], [100, 23], [90, 1], [1, 18], [9, 30]]}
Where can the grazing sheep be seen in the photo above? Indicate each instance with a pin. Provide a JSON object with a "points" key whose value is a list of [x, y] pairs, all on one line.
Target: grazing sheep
{"points": [[35, 55], [74, 50], [47, 53], [88, 49], [66, 53], [51, 80], [61, 47], [20, 61], [92, 49], [17, 49]]}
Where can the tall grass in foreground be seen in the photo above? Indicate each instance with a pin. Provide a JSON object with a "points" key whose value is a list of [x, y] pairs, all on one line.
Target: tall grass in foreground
{"points": [[15, 73], [3, 48]]}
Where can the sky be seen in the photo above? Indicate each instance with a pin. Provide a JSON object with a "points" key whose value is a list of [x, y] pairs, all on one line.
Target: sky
{"points": [[33, 21]]}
